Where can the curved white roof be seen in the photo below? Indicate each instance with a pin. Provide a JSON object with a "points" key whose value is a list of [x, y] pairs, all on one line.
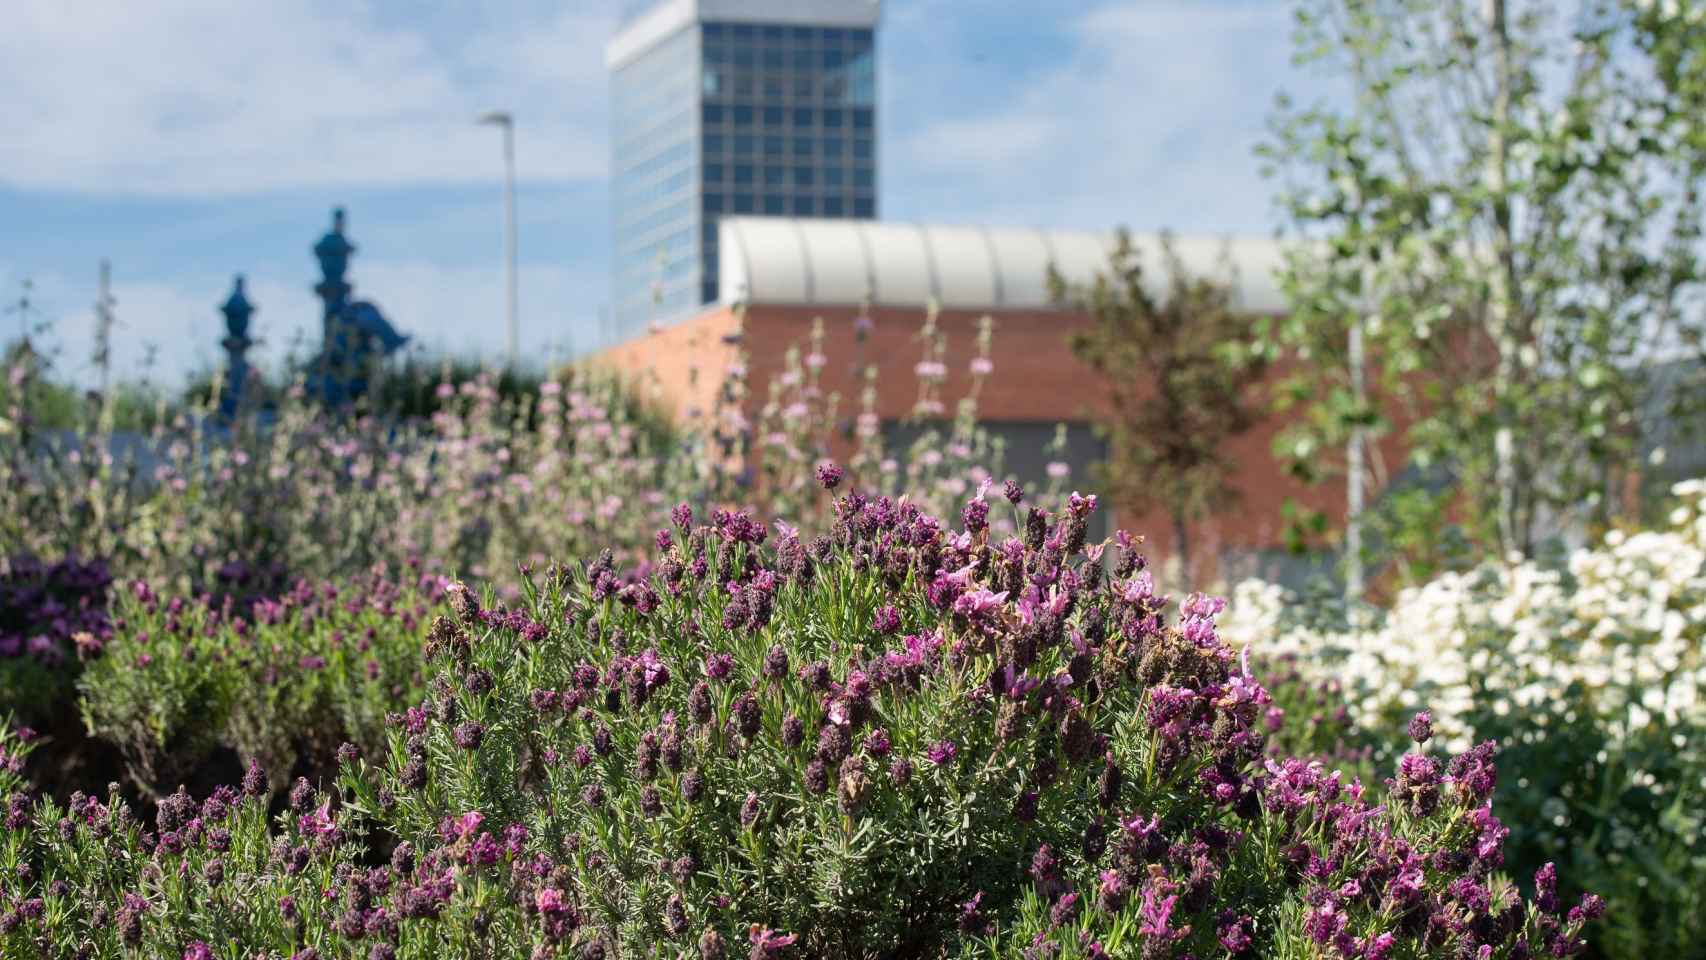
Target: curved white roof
{"points": [[843, 262]]}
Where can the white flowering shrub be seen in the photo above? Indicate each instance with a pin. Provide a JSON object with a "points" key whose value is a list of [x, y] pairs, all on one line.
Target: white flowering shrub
{"points": [[1591, 674], [1624, 619]]}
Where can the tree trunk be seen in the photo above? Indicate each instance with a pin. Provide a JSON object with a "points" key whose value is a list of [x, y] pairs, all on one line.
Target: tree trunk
{"points": [[1355, 470], [1504, 320], [1182, 548]]}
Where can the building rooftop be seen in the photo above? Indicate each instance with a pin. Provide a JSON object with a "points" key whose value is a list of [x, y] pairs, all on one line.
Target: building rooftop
{"points": [[787, 260], [663, 18]]}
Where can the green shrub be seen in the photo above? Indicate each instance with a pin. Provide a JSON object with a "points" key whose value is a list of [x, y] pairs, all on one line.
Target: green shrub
{"points": [[895, 741], [283, 682]]}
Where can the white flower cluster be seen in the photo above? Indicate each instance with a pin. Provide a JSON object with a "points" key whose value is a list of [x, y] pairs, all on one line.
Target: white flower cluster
{"points": [[1625, 618]]}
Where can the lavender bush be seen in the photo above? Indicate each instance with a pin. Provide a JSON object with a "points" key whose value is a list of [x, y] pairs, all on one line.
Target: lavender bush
{"points": [[51, 616], [281, 681], [197, 505], [898, 739]]}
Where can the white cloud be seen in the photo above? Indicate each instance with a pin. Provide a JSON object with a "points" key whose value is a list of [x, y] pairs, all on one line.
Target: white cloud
{"points": [[1150, 122], [202, 96]]}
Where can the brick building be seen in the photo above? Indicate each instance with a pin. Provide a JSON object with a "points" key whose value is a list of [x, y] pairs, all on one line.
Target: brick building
{"points": [[787, 272]]}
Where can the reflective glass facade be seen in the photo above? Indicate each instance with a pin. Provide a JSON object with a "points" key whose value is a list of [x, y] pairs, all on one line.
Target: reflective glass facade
{"points": [[745, 118]]}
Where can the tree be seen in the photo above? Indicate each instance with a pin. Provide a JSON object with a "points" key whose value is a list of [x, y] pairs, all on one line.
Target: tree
{"points": [[1178, 369], [1506, 205]]}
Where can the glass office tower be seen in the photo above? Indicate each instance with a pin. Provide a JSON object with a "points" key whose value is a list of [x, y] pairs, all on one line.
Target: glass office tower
{"points": [[758, 107]]}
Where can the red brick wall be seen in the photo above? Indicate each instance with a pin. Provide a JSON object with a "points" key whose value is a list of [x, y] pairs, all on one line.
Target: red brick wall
{"points": [[1036, 378]]}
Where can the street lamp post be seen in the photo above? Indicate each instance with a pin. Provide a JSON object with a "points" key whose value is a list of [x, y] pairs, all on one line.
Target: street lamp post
{"points": [[503, 119]]}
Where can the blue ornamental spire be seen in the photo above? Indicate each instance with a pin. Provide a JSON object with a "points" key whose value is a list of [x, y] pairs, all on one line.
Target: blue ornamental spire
{"points": [[356, 333], [334, 249], [237, 310]]}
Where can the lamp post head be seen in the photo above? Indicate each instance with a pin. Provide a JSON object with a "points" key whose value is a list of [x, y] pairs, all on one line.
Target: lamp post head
{"points": [[501, 118]]}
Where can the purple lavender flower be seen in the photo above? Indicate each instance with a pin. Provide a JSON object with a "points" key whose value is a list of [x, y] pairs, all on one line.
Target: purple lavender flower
{"points": [[975, 515], [301, 795], [130, 919], [769, 943], [485, 850], [469, 735], [942, 752], [793, 731], [1233, 932], [1422, 727], [1025, 808], [776, 663], [592, 795], [886, 621], [699, 703], [317, 823], [829, 475], [718, 666], [877, 743], [692, 785], [1111, 893], [1045, 871], [816, 674], [972, 920], [817, 777], [1591, 907], [403, 859], [1156, 913], [675, 915], [748, 716], [463, 603], [1546, 888], [1064, 909], [1474, 772], [1323, 924]]}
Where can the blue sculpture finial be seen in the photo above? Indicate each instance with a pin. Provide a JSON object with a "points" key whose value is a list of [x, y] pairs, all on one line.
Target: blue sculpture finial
{"points": [[237, 310], [333, 250], [356, 333]]}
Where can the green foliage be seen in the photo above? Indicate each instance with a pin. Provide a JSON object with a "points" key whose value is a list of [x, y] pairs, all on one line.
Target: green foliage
{"points": [[850, 749], [1177, 367], [1509, 206], [282, 682], [1589, 676]]}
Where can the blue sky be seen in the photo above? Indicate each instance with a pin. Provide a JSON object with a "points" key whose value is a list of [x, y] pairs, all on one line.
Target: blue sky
{"points": [[187, 142]]}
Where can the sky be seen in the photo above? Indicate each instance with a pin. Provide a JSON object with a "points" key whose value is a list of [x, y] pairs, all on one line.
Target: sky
{"points": [[190, 140]]}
